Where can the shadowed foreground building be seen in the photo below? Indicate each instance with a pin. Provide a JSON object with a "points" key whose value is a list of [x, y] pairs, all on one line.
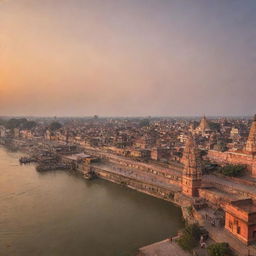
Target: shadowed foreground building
{"points": [[240, 219]]}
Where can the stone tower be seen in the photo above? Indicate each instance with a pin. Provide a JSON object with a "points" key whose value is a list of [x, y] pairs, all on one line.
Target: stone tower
{"points": [[192, 172], [251, 141]]}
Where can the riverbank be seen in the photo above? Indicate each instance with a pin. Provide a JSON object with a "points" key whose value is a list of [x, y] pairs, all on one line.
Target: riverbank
{"points": [[162, 248], [144, 177]]}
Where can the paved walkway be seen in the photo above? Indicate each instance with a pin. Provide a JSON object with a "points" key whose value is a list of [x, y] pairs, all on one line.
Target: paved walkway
{"points": [[241, 187], [101, 153], [163, 248], [138, 175], [221, 235]]}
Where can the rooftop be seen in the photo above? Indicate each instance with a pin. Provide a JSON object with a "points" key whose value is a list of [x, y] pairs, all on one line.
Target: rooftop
{"points": [[246, 205], [77, 156]]}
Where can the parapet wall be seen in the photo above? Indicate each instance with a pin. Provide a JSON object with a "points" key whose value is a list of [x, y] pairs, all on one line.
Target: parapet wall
{"points": [[229, 157], [232, 189], [213, 197], [173, 176]]}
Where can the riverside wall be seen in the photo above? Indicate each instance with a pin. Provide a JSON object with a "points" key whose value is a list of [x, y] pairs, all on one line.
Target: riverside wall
{"points": [[167, 194]]}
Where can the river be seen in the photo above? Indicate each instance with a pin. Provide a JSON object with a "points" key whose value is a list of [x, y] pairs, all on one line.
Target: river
{"points": [[59, 213]]}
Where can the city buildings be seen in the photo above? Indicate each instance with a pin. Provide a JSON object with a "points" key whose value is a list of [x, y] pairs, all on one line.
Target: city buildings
{"points": [[173, 159]]}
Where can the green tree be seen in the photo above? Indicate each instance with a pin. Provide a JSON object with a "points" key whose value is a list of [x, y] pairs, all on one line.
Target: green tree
{"points": [[214, 126], [55, 126], [219, 249], [21, 123], [233, 170], [29, 125], [144, 122], [2, 122], [15, 123], [189, 238]]}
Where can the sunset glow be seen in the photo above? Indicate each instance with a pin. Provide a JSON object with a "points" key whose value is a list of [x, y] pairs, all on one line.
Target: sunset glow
{"points": [[127, 57]]}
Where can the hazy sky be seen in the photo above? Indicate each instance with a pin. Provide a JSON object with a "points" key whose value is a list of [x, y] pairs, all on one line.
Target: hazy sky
{"points": [[127, 57]]}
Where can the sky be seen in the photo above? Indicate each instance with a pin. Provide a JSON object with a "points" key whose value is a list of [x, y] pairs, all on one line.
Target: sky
{"points": [[127, 57]]}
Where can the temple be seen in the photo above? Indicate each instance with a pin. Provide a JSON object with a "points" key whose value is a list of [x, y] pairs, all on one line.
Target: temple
{"points": [[250, 146], [192, 173], [203, 128], [204, 124]]}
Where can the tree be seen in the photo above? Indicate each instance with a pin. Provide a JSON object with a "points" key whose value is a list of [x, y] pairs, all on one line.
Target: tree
{"points": [[203, 153], [144, 122], [219, 249], [55, 126], [29, 125], [214, 126], [190, 237], [15, 123], [233, 170], [21, 123], [2, 122]]}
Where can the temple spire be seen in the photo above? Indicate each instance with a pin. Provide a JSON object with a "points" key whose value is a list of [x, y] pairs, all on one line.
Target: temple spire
{"points": [[192, 172], [251, 141], [204, 124]]}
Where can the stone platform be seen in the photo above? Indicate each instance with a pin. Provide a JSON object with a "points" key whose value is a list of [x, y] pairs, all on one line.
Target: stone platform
{"points": [[162, 248]]}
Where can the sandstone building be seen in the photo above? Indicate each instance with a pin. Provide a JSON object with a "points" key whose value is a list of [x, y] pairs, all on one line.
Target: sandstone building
{"points": [[250, 146], [240, 219], [192, 173]]}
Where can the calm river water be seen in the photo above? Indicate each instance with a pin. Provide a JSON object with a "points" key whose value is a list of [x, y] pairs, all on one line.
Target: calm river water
{"points": [[58, 213]]}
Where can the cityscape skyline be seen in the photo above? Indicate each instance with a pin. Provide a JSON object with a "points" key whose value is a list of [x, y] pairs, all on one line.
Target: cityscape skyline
{"points": [[128, 127], [131, 58]]}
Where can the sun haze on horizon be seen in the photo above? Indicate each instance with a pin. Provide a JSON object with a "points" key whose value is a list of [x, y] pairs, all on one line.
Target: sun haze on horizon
{"points": [[130, 58]]}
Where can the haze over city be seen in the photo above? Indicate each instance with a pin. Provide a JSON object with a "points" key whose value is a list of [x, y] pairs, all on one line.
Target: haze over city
{"points": [[128, 127], [127, 58]]}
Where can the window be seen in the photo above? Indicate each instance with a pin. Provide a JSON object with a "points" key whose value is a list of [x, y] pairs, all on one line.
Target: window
{"points": [[238, 229]]}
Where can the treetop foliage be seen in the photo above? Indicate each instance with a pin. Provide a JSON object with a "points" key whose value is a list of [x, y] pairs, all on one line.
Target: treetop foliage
{"points": [[190, 237], [55, 126], [21, 123], [219, 249], [233, 170]]}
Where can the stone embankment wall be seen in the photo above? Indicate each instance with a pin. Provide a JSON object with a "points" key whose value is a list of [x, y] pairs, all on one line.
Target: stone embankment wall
{"points": [[215, 198], [147, 188], [173, 172]]}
